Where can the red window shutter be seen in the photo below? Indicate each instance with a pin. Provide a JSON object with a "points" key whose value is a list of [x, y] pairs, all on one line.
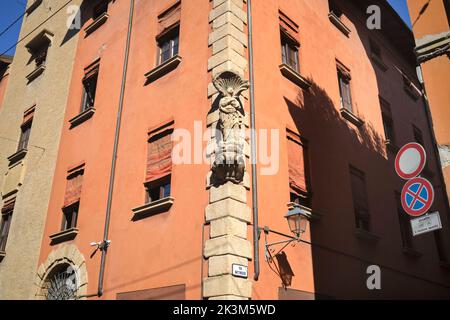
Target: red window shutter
{"points": [[73, 188], [169, 17], [92, 69], [159, 157], [358, 185], [28, 115], [8, 206], [296, 160]]}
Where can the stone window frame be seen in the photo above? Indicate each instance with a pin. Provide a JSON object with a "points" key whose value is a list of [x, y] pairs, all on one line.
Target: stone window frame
{"points": [[64, 254]]}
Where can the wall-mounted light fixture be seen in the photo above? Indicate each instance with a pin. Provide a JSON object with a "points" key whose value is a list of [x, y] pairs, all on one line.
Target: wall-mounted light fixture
{"points": [[297, 218]]}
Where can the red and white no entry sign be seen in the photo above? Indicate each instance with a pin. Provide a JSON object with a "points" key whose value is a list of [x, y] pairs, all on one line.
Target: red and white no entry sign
{"points": [[410, 160], [417, 196]]}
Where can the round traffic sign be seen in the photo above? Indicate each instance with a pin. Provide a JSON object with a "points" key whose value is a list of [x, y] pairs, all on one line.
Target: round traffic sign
{"points": [[410, 160], [417, 196]]}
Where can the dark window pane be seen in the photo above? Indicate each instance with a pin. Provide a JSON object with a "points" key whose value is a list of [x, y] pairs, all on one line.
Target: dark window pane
{"points": [[388, 128], [360, 200], [168, 45], [90, 89], [24, 136], [344, 90], [158, 189], [4, 230], [70, 217], [100, 9]]}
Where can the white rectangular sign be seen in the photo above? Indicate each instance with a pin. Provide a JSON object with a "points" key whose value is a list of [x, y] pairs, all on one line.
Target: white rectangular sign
{"points": [[426, 223], [240, 271]]}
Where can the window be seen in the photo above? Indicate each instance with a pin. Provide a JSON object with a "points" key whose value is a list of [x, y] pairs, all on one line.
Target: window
{"points": [[7, 212], [335, 9], [41, 56], [360, 201], [440, 246], [375, 50], [289, 51], [344, 87], [70, 216], [90, 86], [388, 123], [168, 33], [24, 136], [72, 198], [38, 48], [168, 45], [289, 43], [158, 189], [159, 163], [298, 170], [26, 129], [405, 224], [100, 9]]}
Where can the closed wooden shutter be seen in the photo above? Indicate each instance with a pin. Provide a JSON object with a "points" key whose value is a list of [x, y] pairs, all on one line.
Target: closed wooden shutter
{"points": [[74, 186], [359, 192], [159, 156], [296, 162]]}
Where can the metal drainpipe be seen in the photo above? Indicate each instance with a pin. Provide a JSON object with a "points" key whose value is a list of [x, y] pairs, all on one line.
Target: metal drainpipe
{"points": [[433, 136], [253, 144], [114, 158]]}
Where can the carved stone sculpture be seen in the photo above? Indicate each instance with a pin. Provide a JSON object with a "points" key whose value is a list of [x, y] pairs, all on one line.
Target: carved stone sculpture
{"points": [[229, 164]]}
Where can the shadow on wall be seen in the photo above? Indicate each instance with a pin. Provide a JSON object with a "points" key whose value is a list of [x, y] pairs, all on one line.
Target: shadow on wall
{"points": [[333, 145], [84, 14]]}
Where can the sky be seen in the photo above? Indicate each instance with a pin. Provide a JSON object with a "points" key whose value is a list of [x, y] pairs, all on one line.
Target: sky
{"points": [[10, 10]]}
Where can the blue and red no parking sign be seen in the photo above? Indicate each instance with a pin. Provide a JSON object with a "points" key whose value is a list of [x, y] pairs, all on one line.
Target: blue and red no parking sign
{"points": [[418, 193], [417, 196]]}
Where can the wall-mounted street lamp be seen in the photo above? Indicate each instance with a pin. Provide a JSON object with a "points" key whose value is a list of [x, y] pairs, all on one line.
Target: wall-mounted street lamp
{"points": [[297, 218]]}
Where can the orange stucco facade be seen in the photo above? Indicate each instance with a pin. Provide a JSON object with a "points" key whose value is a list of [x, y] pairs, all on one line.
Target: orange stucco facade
{"points": [[432, 33], [166, 249]]}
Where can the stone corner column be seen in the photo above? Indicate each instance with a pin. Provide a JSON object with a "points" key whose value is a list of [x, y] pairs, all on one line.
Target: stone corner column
{"points": [[227, 212]]}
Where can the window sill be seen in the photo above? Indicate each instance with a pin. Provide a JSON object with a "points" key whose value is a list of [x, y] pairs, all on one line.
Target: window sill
{"points": [[2, 255], [339, 24], [63, 236], [82, 117], [411, 252], [351, 117], [155, 207], [35, 73], [96, 23], [366, 235], [294, 76], [163, 69], [379, 62], [16, 157], [33, 6], [391, 146]]}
